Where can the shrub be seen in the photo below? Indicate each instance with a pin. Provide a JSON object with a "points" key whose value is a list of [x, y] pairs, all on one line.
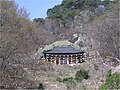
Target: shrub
{"points": [[70, 82], [80, 75], [59, 79], [40, 87], [112, 82], [67, 79]]}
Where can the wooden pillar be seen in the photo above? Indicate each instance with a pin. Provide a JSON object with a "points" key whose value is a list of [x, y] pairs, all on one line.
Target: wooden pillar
{"points": [[63, 59], [59, 59], [51, 59], [55, 59], [81, 56], [71, 59], [47, 57], [67, 59], [85, 56], [76, 59]]}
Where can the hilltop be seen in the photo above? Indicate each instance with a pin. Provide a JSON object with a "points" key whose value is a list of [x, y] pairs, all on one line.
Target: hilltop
{"points": [[93, 25]]}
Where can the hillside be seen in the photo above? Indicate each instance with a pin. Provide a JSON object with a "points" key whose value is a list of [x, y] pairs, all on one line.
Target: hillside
{"points": [[92, 25]]}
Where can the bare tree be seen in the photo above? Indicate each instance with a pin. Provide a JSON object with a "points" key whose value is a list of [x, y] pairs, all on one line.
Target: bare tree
{"points": [[15, 33]]}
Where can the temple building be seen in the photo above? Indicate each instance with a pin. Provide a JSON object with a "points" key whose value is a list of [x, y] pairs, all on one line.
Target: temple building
{"points": [[61, 52], [64, 55]]}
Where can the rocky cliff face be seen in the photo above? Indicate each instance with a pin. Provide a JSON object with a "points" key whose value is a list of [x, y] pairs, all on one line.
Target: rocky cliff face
{"points": [[95, 32]]}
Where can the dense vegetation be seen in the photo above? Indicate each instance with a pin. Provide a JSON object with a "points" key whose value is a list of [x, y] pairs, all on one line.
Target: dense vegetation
{"points": [[80, 75], [112, 82], [72, 82], [69, 8]]}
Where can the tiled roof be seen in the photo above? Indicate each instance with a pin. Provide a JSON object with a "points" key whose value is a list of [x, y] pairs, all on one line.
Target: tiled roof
{"points": [[63, 49]]}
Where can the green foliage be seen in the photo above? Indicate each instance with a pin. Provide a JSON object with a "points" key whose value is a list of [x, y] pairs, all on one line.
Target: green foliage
{"points": [[80, 75], [41, 20], [59, 79], [68, 79], [67, 3], [55, 12], [70, 82], [69, 8], [40, 87], [112, 82]]}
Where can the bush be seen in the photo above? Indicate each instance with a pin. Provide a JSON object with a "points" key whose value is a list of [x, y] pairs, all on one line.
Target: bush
{"points": [[68, 79], [59, 79], [80, 75], [40, 87], [70, 82], [112, 82]]}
